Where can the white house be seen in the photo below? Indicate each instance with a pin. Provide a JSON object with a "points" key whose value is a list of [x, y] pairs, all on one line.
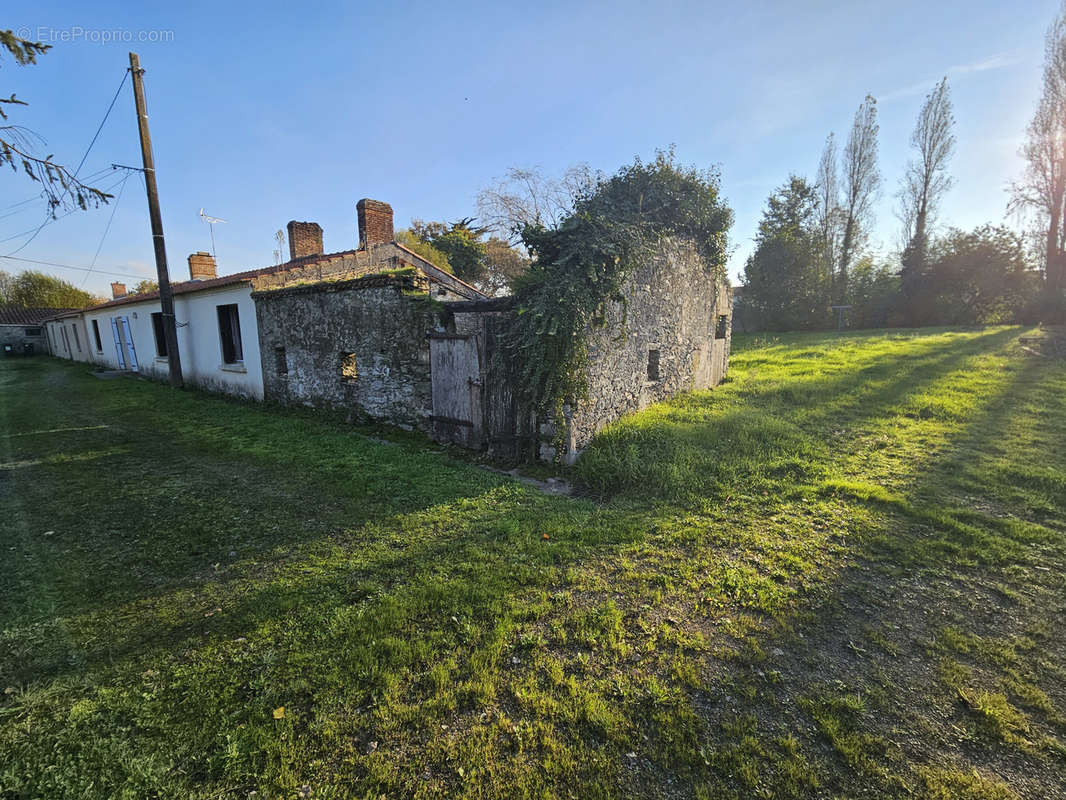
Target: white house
{"points": [[217, 338]]}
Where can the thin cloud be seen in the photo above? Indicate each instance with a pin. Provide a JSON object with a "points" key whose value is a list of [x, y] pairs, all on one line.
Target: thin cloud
{"points": [[996, 61]]}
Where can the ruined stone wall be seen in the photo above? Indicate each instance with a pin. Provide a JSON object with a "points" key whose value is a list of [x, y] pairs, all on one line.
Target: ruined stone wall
{"points": [[357, 344], [657, 344]]}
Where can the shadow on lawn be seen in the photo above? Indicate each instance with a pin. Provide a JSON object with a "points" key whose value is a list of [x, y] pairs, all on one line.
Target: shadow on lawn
{"points": [[695, 453], [357, 609], [166, 538], [860, 672]]}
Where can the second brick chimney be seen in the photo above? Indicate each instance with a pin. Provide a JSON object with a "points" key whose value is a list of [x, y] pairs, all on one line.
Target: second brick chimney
{"points": [[117, 290], [202, 266], [375, 222], [305, 239]]}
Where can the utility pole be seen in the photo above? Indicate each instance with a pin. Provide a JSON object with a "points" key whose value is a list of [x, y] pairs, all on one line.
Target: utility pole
{"points": [[166, 296]]}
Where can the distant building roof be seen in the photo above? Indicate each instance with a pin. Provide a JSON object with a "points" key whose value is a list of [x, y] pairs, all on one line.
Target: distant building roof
{"points": [[187, 287], [14, 315]]}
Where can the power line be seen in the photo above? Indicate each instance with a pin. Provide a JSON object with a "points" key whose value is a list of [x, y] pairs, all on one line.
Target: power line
{"points": [[106, 115], [71, 266], [110, 219], [40, 196], [80, 163], [50, 219]]}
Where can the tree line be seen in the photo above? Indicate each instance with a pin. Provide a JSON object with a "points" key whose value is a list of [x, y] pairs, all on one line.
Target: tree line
{"points": [[812, 266]]}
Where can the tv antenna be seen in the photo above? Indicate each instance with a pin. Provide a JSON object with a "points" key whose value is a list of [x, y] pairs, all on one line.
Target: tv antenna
{"points": [[211, 224]]}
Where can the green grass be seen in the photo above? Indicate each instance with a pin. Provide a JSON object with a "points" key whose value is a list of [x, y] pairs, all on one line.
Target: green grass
{"points": [[840, 574]]}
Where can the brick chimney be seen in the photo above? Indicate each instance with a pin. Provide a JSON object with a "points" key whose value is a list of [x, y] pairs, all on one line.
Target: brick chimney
{"points": [[305, 239], [202, 266], [117, 290], [375, 222]]}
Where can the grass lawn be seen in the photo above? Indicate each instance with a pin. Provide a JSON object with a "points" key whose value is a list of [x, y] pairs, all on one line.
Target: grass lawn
{"points": [[841, 574]]}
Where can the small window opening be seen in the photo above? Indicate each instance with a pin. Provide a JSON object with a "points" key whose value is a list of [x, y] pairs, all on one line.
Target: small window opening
{"points": [[160, 334], [653, 365], [32, 332], [77, 339], [722, 327], [280, 361], [229, 331], [349, 371], [96, 336]]}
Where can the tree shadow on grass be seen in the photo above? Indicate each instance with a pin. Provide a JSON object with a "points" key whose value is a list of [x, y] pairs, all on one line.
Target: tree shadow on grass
{"points": [[703, 447], [427, 609], [918, 660]]}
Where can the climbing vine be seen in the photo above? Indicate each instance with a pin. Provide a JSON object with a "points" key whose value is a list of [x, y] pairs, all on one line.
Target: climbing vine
{"points": [[581, 265]]}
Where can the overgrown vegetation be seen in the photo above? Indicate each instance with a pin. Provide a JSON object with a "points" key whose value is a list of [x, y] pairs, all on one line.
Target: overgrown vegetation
{"points": [[840, 574], [581, 265]]}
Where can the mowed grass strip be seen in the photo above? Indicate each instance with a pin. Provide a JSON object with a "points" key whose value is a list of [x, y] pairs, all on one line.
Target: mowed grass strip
{"points": [[839, 574]]}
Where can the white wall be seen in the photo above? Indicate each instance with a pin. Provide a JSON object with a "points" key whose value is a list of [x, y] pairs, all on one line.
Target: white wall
{"points": [[199, 341], [60, 335]]}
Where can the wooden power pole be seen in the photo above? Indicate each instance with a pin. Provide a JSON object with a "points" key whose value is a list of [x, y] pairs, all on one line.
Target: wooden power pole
{"points": [[166, 296]]}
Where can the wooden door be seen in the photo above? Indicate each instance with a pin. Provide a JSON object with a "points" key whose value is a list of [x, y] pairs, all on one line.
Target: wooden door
{"points": [[455, 364]]}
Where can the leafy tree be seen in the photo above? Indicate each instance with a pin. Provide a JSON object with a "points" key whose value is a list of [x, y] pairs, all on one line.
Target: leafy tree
{"points": [[829, 220], [32, 289], [490, 264], [875, 295], [412, 241], [783, 280], [145, 286], [503, 266], [459, 241], [979, 277], [61, 186]]}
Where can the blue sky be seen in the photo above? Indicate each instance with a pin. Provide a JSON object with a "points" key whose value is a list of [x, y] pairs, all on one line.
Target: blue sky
{"points": [[262, 113]]}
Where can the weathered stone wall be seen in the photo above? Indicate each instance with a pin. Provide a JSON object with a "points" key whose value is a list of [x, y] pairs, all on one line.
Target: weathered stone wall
{"points": [[356, 344], [671, 334], [359, 263], [658, 343], [15, 335]]}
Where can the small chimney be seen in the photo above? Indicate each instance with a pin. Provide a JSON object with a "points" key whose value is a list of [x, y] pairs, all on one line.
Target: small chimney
{"points": [[305, 239], [375, 223], [202, 266], [117, 290]]}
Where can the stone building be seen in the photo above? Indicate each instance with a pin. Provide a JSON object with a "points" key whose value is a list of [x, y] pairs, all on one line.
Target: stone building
{"points": [[390, 347], [669, 334], [22, 329], [383, 334]]}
